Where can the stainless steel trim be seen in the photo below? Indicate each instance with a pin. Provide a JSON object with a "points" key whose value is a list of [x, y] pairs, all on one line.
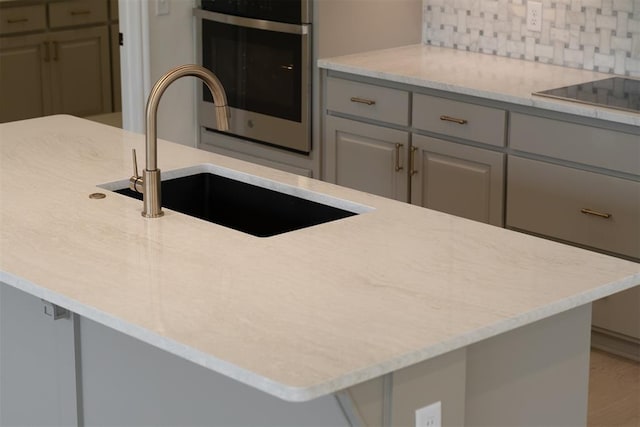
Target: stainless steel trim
{"points": [[258, 24], [305, 9]]}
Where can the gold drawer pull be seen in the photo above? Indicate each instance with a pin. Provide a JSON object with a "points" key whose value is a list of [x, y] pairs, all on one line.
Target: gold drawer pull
{"points": [[80, 12], [588, 211], [454, 120], [17, 21], [399, 167], [363, 101], [412, 161]]}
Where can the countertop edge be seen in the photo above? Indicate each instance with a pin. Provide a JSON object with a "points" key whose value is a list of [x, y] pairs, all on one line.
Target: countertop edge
{"points": [[303, 394]]}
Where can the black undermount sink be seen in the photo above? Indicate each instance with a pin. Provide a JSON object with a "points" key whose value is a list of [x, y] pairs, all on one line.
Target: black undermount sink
{"points": [[245, 207]]}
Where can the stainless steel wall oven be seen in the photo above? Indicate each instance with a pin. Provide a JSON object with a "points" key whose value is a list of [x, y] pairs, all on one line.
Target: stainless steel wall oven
{"points": [[261, 52]]}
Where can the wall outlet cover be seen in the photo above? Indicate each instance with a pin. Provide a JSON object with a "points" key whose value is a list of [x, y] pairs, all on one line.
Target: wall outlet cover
{"points": [[430, 415], [534, 16]]}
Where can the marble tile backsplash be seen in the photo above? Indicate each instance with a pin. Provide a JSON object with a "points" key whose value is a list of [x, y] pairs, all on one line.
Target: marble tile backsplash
{"points": [[599, 35]]}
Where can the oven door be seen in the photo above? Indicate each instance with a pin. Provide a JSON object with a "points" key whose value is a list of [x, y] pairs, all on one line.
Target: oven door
{"points": [[265, 70]]}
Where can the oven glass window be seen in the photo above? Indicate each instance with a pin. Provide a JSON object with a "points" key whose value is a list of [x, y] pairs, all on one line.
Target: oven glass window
{"points": [[260, 70]]}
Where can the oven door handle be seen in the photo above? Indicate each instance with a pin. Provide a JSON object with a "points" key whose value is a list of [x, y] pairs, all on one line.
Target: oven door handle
{"points": [[258, 24]]}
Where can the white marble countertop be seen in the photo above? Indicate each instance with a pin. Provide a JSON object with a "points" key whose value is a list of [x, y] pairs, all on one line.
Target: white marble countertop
{"points": [[298, 315], [476, 74]]}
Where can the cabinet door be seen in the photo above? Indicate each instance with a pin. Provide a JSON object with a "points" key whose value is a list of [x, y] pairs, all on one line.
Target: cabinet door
{"points": [[24, 70], [37, 363], [81, 74], [366, 157], [457, 179]]}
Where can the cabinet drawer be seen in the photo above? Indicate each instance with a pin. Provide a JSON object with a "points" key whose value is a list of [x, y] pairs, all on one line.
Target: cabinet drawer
{"points": [[369, 101], [589, 145], [572, 205], [22, 19], [459, 119], [77, 12]]}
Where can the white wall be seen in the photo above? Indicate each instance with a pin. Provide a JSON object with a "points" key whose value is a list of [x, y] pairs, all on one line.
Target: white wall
{"points": [[171, 39], [350, 26]]}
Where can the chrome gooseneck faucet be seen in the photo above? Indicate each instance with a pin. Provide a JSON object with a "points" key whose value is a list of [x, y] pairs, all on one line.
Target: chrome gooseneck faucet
{"points": [[149, 183]]}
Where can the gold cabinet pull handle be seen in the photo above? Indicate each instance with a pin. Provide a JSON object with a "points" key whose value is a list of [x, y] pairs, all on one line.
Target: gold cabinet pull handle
{"points": [[588, 211], [399, 167], [79, 12], [46, 52], [454, 120], [363, 100], [17, 20], [412, 161]]}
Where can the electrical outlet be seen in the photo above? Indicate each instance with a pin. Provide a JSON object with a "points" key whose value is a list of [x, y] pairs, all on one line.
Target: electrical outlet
{"points": [[429, 416], [534, 16]]}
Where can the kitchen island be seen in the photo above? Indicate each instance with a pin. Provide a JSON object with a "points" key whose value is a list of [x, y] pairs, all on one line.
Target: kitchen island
{"points": [[362, 320]]}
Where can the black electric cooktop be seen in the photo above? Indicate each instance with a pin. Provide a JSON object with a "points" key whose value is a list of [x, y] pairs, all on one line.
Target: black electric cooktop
{"points": [[615, 92]]}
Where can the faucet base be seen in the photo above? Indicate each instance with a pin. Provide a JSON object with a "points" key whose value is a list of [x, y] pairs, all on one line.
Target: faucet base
{"points": [[151, 195]]}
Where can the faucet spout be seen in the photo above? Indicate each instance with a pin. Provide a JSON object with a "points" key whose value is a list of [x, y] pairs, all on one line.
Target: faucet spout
{"points": [[152, 201]]}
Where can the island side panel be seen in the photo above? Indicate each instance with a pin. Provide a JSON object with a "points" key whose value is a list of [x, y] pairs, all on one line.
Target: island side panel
{"points": [[532, 376], [37, 363], [128, 382], [441, 379]]}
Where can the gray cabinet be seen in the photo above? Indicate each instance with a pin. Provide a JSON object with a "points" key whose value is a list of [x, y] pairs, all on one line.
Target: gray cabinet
{"points": [[367, 157], [55, 62], [80, 75], [449, 175], [373, 143], [24, 78], [457, 179], [581, 184]]}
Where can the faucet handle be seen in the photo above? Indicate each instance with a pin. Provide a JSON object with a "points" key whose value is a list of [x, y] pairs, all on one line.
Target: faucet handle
{"points": [[135, 182], [135, 163]]}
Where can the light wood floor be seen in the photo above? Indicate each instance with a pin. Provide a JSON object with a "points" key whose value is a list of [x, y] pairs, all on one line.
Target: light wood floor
{"points": [[614, 391]]}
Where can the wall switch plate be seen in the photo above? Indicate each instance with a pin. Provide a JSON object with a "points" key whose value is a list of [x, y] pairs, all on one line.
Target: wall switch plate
{"points": [[430, 415], [534, 16], [162, 7]]}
